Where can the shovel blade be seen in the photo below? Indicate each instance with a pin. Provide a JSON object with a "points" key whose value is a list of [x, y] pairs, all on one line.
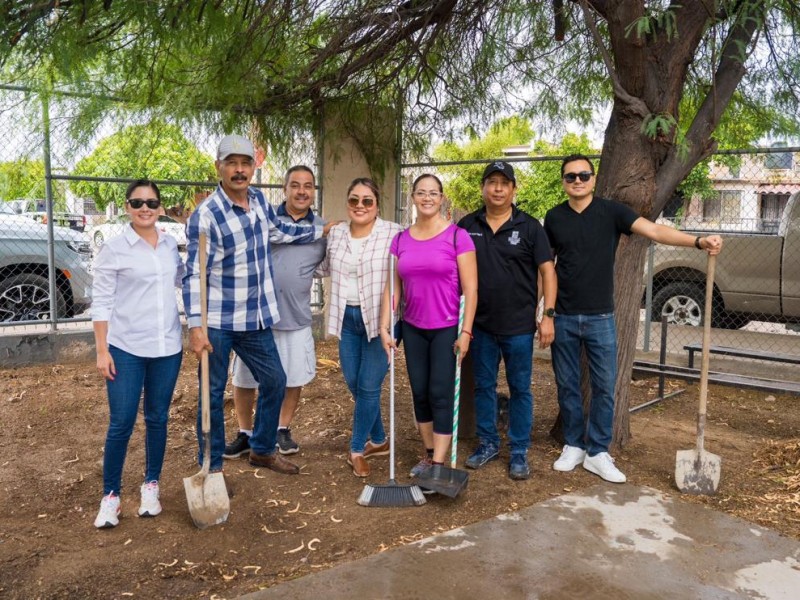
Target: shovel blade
{"points": [[697, 472], [443, 480], [208, 499]]}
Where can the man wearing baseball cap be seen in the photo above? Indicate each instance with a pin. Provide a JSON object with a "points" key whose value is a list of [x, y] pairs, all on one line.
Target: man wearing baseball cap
{"points": [[240, 226], [511, 249]]}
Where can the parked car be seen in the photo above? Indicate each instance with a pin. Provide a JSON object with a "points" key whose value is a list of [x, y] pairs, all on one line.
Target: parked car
{"points": [[757, 277], [114, 226], [24, 284], [62, 219]]}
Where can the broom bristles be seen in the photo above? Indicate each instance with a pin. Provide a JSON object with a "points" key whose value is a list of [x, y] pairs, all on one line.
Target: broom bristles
{"points": [[391, 494]]}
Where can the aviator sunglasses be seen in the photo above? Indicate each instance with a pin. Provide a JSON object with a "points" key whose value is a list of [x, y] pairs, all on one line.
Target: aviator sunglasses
{"points": [[584, 176], [152, 203], [366, 202]]}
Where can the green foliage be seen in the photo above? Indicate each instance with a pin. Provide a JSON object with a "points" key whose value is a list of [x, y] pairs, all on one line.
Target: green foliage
{"points": [[156, 150], [543, 188], [22, 178], [538, 182], [462, 183]]}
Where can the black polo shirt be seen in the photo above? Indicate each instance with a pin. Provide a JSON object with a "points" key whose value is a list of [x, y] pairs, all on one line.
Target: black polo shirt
{"points": [[508, 262], [585, 245]]}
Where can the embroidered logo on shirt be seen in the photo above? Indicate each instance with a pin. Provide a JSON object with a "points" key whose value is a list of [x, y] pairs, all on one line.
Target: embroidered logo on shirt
{"points": [[514, 239]]}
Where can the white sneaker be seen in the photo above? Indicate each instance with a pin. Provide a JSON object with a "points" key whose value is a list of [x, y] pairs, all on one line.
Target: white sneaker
{"points": [[571, 457], [150, 505], [109, 512], [602, 464]]}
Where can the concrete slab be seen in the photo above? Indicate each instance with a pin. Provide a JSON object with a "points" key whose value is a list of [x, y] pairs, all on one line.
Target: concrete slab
{"points": [[609, 542]]}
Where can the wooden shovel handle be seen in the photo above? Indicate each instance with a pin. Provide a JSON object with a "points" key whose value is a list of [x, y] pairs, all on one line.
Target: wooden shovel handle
{"points": [[205, 400], [707, 315]]}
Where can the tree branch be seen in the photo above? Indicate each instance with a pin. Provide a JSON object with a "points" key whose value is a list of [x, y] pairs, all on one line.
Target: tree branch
{"points": [[635, 105], [727, 77]]}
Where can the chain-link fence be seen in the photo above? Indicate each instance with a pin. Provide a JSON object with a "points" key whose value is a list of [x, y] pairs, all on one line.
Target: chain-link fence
{"points": [[750, 198], [62, 194]]}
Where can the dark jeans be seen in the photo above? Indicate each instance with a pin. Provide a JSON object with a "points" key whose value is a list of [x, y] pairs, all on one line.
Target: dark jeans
{"points": [[364, 366], [517, 353], [598, 334], [257, 350], [157, 376], [431, 365]]}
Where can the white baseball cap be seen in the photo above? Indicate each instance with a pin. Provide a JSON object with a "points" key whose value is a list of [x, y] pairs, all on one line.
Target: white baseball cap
{"points": [[235, 144]]}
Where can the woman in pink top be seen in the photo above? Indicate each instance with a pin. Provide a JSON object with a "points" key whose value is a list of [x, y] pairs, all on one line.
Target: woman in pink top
{"points": [[435, 265]]}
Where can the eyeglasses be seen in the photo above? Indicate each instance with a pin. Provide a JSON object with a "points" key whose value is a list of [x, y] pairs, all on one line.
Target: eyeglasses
{"points": [[584, 176], [152, 203], [422, 194], [353, 202]]}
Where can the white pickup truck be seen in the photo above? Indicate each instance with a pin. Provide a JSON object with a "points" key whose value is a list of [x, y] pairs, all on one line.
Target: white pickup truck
{"points": [[757, 277]]}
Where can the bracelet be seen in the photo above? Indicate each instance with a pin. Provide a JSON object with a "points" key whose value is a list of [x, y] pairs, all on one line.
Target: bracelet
{"points": [[697, 243], [469, 333]]}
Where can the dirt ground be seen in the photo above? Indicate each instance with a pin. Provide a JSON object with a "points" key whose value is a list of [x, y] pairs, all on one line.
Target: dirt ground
{"points": [[52, 428]]}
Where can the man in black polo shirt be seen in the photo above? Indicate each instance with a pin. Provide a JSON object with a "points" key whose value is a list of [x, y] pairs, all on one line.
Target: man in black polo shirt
{"points": [[584, 233], [511, 248]]}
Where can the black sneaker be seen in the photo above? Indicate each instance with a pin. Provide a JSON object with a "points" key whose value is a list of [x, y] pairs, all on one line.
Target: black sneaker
{"points": [[286, 445], [239, 446], [518, 467], [484, 453]]}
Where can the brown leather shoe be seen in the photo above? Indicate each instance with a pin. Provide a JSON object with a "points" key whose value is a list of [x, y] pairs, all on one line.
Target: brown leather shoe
{"points": [[359, 464], [275, 462], [376, 449]]}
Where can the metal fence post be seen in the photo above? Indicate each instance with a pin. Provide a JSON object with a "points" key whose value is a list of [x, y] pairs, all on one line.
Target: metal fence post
{"points": [[48, 195], [648, 305]]}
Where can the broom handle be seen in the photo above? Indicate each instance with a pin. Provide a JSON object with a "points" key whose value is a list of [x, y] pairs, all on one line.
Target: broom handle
{"points": [[391, 368], [457, 391], [701, 417], [205, 400]]}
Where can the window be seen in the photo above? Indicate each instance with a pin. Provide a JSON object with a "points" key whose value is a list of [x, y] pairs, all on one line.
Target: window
{"points": [[727, 206], [771, 211], [778, 160]]}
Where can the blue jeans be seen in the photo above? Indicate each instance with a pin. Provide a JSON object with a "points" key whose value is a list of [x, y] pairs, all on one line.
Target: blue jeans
{"points": [[598, 335], [364, 366], [257, 350], [517, 353], [157, 376]]}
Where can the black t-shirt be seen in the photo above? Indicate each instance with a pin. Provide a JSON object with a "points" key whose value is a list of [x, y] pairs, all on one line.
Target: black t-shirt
{"points": [[508, 262], [585, 245]]}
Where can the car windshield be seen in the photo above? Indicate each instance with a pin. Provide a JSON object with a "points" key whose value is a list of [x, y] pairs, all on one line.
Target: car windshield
{"points": [[5, 209]]}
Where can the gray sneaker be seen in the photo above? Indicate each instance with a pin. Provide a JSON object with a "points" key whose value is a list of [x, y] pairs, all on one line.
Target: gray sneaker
{"points": [[286, 445]]}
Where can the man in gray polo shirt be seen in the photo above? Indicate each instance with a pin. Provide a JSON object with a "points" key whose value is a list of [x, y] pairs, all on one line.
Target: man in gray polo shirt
{"points": [[293, 270]]}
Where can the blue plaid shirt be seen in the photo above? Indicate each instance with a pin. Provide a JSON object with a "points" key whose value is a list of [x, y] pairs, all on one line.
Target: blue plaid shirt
{"points": [[241, 295]]}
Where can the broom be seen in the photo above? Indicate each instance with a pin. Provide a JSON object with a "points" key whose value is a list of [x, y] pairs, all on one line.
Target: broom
{"points": [[392, 493]]}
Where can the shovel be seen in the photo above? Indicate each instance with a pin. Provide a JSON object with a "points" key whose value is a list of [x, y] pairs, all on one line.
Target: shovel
{"points": [[449, 481], [206, 493], [698, 471]]}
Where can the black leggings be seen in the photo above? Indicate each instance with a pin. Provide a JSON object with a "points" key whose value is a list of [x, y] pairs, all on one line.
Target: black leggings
{"points": [[431, 366]]}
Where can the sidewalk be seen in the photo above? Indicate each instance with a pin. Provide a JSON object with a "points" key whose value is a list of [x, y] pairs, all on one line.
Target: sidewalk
{"points": [[611, 542]]}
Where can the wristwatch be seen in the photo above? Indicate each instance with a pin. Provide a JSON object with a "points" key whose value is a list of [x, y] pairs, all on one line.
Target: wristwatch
{"points": [[549, 312]]}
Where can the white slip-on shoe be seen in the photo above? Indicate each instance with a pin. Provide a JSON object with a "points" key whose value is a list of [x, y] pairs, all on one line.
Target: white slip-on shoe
{"points": [[571, 457], [603, 465]]}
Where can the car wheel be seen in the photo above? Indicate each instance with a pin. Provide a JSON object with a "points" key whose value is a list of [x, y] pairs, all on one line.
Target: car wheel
{"points": [[98, 238], [26, 297], [681, 303]]}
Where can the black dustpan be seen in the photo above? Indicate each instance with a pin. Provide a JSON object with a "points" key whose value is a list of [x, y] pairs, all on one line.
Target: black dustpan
{"points": [[443, 480]]}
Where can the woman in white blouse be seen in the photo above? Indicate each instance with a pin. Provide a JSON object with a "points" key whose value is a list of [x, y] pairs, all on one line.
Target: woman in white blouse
{"points": [[357, 261], [139, 345]]}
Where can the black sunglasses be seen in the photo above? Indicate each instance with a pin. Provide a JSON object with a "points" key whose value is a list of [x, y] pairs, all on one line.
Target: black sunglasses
{"points": [[152, 203], [354, 202], [584, 176]]}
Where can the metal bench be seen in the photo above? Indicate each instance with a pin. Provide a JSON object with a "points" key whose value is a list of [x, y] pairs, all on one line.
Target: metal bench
{"points": [[742, 353], [644, 368]]}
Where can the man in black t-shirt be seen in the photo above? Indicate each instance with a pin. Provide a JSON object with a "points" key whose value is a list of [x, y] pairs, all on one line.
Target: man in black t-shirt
{"points": [[511, 248], [584, 233]]}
